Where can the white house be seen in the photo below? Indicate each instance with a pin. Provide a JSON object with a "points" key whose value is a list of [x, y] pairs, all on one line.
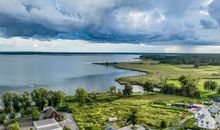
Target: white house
{"points": [[48, 124], [202, 113], [213, 109], [207, 122]]}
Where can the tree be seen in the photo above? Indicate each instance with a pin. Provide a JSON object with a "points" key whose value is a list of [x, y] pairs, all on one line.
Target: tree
{"points": [[35, 115], [133, 117], [148, 86], [210, 85], [163, 124], [128, 90], [40, 97], [196, 65], [11, 99], [55, 98], [14, 126], [113, 90], [218, 91], [189, 86], [169, 89], [81, 96], [26, 100]]}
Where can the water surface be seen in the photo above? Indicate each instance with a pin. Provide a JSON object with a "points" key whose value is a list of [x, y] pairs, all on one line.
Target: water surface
{"points": [[61, 72]]}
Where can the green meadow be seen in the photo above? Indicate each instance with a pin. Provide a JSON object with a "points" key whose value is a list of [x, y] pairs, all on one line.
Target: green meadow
{"points": [[152, 109]]}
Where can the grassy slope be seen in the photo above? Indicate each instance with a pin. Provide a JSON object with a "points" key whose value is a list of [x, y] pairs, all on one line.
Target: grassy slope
{"points": [[95, 115]]}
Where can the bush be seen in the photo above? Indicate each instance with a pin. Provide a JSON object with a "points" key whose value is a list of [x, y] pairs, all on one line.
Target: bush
{"points": [[163, 124], [2, 117], [35, 115], [218, 91], [14, 126], [5, 122], [66, 128]]}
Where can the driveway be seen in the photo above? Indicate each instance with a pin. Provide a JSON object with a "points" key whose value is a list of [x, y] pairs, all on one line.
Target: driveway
{"points": [[69, 122]]}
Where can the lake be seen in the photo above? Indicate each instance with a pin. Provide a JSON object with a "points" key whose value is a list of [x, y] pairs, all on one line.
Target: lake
{"points": [[61, 72]]}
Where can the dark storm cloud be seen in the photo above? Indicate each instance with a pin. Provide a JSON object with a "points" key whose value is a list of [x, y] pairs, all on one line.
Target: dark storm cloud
{"points": [[137, 21]]}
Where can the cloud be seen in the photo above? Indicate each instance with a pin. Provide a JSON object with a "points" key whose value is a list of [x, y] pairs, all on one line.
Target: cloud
{"points": [[138, 21]]}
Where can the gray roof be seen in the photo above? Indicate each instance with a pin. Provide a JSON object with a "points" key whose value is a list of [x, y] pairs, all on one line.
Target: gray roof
{"points": [[45, 122], [53, 127]]}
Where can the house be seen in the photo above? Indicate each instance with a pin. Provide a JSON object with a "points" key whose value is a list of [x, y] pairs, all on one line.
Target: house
{"points": [[47, 124], [207, 122], [52, 113], [213, 109], [202, 113]]}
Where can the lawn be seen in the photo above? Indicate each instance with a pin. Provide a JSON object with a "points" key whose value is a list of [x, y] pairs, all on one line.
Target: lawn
{"points": [[156, 71], [95, 115]]}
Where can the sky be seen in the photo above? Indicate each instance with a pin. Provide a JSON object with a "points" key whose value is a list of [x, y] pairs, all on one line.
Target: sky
{"points": [[171, 26]]}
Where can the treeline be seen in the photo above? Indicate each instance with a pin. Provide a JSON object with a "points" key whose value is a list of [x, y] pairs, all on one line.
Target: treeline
{"points": [[194, 59], [188, 88]]}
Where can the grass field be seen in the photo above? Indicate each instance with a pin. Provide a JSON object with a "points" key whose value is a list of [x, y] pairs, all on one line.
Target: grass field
{"points": [[156, 72], [95, 115]]}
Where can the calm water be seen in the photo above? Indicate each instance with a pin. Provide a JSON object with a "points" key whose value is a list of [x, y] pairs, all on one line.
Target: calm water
{"points": [[60, 72]]}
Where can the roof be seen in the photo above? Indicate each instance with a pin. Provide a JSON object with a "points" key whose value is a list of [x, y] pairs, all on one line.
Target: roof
{"points": [[139, 127], [53, 127], [45, 122], [194, 110], [197, 105], [49, 111], [209, 118], [216, 100], [205, 111]]}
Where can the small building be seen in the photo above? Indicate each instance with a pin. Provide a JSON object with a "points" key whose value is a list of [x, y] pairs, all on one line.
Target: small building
{"points": [[202, 113], [207, 122], [52, 113], [213, 109], [112, 119], [47, 124], [156, 89]]}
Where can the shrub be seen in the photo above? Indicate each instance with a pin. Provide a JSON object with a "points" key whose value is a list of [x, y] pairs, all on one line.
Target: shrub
{"points": [[14, 126], [218, 91], [163, 124], [2, 117], [35, 115], [5, 122], [66, 128]]}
